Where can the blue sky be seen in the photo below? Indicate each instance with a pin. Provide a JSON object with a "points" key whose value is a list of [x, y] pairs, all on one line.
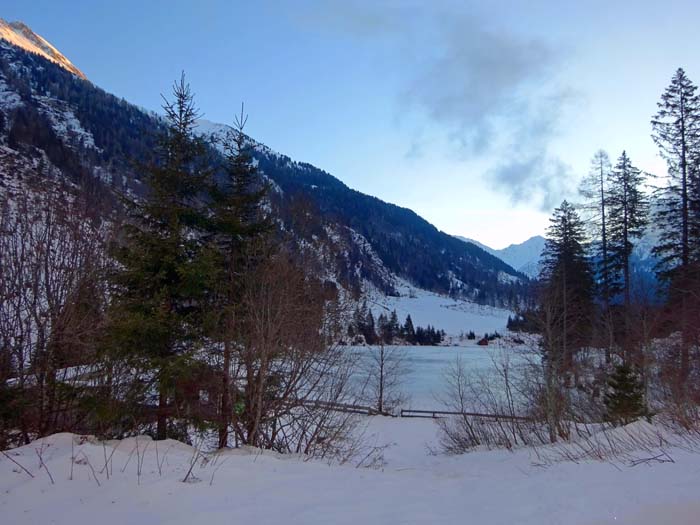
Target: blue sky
{"points": [[480, 116]]}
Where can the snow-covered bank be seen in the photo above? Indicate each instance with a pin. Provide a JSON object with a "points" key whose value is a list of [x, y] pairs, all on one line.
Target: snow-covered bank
{"points": [[247, 486]]}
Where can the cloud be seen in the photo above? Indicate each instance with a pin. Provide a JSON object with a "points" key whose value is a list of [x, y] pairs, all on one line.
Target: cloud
{"points": [[478, 81], [546, 179], [493, 92]]}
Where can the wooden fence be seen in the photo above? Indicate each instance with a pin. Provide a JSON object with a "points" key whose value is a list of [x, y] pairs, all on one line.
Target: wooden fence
{"points": [[433, 414]]}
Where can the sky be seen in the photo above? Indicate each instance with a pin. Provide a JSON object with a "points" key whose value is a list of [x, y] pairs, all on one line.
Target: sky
{"points": [[479, 116]]}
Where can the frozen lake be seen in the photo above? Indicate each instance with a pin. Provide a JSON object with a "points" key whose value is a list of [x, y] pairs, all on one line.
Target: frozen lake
{"points": [[425, 368]]}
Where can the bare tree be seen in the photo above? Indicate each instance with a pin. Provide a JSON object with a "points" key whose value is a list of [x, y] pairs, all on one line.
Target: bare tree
{"points": [[500, 394], [290, 379], [52, 299], [385, 369]]}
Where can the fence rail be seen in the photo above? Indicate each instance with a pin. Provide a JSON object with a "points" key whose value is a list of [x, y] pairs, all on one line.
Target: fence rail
{"points": [[431, 414], [434, 414], [340, 407]]}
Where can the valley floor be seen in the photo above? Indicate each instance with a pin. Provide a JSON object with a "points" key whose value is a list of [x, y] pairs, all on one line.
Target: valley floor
{"points": [[414, 486]]}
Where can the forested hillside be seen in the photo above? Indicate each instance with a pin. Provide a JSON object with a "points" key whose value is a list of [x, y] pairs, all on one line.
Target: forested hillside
{"points": [[97, 141]]}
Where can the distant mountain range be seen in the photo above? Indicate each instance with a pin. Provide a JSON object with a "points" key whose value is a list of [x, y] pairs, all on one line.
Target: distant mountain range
{"points": [[55, 122], [524, 257]]}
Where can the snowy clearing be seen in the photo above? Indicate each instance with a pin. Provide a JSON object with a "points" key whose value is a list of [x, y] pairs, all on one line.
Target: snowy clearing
{"points": [[249, 486]]}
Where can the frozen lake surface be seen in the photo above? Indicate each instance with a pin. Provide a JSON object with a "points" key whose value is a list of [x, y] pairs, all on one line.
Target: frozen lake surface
{"points": [[425, 367]]}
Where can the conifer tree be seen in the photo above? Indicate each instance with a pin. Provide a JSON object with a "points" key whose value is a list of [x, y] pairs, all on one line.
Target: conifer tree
{"points": [[236, 221], [624, 400], [628, 219], [382, 328], [370, 330], [409, 330], [565, 309], [676, 130], [158, 289], [568, 283], [594, 189], [393, 325], [358, 318]]}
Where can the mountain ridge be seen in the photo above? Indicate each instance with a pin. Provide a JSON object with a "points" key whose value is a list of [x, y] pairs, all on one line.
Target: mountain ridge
{"points": [[19, 34], [524, 256], [91, 136]]}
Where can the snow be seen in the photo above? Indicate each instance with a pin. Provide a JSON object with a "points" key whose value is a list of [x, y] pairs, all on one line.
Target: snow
{"points": [[65, 123], [217, 132], [8, 98], [20, 35], [455, 316], [413, 487], [524, 257], [424, 368]]}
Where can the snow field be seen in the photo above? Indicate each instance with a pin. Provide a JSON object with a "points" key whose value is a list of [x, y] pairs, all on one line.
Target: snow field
{"points": [[414, 486]]}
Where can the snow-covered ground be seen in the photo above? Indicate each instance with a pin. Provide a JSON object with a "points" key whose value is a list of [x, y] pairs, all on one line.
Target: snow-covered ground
{"points": [[444, 313], [414, 487], [120, 483]]}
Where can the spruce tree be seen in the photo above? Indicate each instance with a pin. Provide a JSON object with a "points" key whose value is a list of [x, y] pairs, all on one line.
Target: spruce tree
{"points": [[676, 130], [382, 328], [628, 207], [235, 222], [393, 326], [409, 330], [624, 400], [567, 284], [157, 292], [565, 309], [370, 330], [358, 319]]}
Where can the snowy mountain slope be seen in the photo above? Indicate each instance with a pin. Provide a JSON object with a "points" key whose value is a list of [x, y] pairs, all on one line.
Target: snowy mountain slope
{"points": [[92, 138], [452, 315], [20, 35], [524, 257], [405, 243]]}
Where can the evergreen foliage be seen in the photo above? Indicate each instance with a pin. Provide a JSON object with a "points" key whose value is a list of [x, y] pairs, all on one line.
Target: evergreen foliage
{"points": [[387, 329], [676, 130], [567, 285], [628, 207], [523, 322], [624, 400], [235, 224], [409, 332], [159, 288]]}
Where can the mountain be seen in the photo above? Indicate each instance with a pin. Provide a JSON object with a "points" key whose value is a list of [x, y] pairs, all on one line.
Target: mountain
{"points": [[524, 257], [55, 122], [20, 35]]}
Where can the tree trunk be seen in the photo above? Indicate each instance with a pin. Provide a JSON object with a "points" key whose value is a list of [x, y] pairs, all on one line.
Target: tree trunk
{"points": [[380, 404], [162, 423], [225, 396], [604, 238]]}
